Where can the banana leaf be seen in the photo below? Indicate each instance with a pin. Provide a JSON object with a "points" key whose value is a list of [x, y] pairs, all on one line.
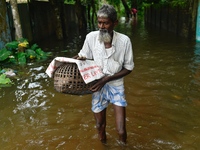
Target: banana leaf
{"points": [[4, 54]]}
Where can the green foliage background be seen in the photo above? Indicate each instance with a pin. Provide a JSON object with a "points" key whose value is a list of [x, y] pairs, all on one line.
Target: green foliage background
{"points": [[11, 52]]}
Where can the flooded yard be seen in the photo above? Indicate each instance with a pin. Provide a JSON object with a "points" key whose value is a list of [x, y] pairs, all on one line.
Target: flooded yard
{"points": [[163, 94]]}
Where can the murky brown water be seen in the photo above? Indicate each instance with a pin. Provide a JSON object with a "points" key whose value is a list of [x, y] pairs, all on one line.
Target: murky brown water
{"points": [[163, 94]]}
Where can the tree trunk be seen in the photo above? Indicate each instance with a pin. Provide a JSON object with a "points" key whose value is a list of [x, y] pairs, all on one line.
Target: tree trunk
{"points": [[80, 13], [134, 4], [56, 5], [16, 19], [93, 14], [193, 7], [4, 27], [88, 15], [30, 4], [127, 9]]}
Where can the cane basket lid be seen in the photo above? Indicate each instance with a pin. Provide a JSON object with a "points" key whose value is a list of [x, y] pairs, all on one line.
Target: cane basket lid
{"points": [[67, 79]]}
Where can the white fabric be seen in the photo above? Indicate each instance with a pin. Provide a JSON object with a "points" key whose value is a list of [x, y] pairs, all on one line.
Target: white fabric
{"points": [[89, 70], [120, 55]]}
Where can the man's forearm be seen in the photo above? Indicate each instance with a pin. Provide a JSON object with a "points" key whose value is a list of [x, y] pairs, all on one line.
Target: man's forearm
{"points": [[118, 75]]}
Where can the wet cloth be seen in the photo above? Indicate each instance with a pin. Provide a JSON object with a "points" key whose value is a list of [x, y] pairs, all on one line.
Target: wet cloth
{"points": [[108, 94], [89, 70]]}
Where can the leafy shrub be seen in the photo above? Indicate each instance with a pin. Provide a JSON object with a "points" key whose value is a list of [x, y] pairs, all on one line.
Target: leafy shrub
{"points": [[19, 52]]}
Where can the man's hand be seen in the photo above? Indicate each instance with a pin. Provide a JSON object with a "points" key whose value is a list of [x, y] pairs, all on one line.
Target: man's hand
{"points": [[100, 83], [79, 58], [106, 79]]}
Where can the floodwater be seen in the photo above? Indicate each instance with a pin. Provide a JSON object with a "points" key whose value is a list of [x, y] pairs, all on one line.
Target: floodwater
{"points": [[163, 94]]}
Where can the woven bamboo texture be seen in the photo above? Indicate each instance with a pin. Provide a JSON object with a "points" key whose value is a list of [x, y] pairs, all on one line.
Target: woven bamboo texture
{"points": [[67, 79]]}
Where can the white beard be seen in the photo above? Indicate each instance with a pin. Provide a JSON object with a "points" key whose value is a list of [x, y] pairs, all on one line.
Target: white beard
{"points": [[104, 36]]}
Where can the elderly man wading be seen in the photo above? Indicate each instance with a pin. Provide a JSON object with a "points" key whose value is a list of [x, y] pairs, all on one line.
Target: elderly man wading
{"points": [[113, 52]]}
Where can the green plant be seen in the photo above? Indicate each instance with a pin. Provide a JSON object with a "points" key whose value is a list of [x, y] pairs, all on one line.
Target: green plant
{"points": [[19, 52], [4, 81]]}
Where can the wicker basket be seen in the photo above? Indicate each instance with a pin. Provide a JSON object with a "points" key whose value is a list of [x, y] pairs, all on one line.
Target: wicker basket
{"points": [[67, 79]]}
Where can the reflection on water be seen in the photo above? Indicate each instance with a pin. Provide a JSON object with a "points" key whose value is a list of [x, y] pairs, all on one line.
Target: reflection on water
{"points": [[196, 64], [162, 93]]}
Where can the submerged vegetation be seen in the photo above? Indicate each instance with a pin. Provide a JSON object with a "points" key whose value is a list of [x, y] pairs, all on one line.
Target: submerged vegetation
{"points": [[18, 53], [5, 81]]}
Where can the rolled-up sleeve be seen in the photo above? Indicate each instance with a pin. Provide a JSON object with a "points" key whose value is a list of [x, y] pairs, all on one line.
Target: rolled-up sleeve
{"points": [[128, 57]]}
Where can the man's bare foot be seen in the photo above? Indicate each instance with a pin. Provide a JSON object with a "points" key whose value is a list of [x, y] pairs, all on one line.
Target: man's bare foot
{"points": [[103, 141], [102, 137]]}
